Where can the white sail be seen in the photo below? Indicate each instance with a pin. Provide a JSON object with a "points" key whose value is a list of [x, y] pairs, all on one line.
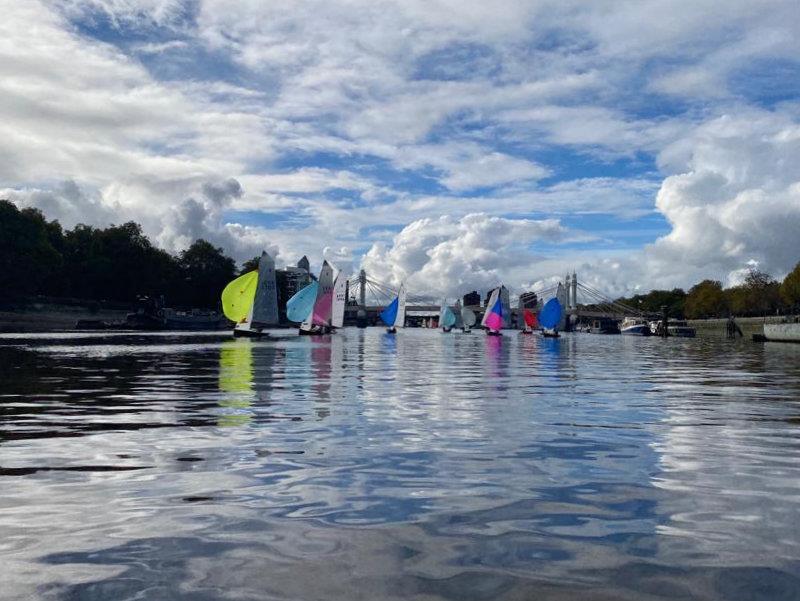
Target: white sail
{"points": [[339, 300], [265, 304], [490, 304], [400, 319]]}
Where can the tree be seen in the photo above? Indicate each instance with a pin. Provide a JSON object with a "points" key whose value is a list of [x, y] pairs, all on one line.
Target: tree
{"points": [[250, 265], [206, 270], [28, 259], [705, 299], [790, 288]]}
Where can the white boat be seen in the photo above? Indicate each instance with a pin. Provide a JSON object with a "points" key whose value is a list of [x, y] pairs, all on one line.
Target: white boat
{"points": [[782, 332], [468, 319], [635, 326]]}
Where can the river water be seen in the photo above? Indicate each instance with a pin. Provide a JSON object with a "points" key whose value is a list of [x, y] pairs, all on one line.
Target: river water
{"points": [[422, 466]]}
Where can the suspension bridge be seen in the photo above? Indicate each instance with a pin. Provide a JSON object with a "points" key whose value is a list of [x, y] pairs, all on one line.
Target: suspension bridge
{"points": [[366, 298]]}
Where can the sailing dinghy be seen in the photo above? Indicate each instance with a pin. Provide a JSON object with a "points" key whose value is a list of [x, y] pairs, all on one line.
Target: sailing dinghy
{"points": [[394, 315], [447, 319], [493, 318], [468, 320], [529, 321], [318, 320], [251, 300], [550, 317]]}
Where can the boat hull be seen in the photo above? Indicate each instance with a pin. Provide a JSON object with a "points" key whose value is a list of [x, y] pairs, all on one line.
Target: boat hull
{"points": [[637, 330], [782, 332], [248, 333]]}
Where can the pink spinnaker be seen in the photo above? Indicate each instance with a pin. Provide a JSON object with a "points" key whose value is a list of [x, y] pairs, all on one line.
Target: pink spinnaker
{"points": [[322, 309], [494, 321]]}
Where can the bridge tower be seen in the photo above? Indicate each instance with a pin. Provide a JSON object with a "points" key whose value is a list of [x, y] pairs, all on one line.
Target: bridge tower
{"points": [[362, 289], [574, 295]]}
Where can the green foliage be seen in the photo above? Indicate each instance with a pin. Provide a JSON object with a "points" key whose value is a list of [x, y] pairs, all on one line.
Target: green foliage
{"points": [[117, 263], [206, 270], [655, 299], [27, 255], [790, 288], [706, 299], [758, 295]]}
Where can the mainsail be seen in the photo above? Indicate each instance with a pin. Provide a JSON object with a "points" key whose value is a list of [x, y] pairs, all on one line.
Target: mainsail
{"points": [[265, 303], [339, 300], [238, 296]]}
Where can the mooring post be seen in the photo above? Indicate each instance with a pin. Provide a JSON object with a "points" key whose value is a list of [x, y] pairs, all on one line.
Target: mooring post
{"points": [[664, 321]]}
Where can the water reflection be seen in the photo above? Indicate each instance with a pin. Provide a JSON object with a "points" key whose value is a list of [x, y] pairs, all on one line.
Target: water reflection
{"points": [[419, 465]]}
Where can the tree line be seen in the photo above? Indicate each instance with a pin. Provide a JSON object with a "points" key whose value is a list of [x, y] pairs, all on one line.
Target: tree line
{"points": [[117, 263], [759, 294]]}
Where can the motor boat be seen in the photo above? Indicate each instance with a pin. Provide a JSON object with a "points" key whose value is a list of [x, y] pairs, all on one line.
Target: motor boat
{"points": [[635, 326]]}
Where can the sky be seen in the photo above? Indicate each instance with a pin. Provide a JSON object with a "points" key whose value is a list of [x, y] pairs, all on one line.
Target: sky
{"points": [[449, 144]]}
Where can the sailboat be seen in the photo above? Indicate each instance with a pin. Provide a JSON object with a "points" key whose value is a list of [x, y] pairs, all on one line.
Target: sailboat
{"points": [[251, 300], [447, 319], [318, 320], [468, 320], [529, 321], [550, 317], [394, 315], [493, 318]]}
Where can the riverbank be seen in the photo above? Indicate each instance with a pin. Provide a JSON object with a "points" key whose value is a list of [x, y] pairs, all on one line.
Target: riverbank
{"points": [[717, 328], [54, 317]]}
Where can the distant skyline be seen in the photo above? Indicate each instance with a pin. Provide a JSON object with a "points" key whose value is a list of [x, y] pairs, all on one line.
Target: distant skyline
{"points": [[451, 144]]}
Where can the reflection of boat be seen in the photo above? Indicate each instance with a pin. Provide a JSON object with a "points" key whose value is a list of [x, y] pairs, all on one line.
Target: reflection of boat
{"points": [[251, 300], [493, 318], [604, 325], [782, 332], [394, 315], [635, 326]]}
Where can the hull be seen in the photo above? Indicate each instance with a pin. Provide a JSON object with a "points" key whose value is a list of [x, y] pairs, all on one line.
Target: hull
{"points": [[248, 333], [782, 332], [603, 331], [637, 330], [492, 333], [681, 332]]}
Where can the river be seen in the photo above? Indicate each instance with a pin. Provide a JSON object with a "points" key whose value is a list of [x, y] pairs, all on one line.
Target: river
{"points": [[420, 466]]}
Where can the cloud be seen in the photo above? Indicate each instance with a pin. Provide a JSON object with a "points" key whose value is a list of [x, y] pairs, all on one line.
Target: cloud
{"points": [[447, 256]]}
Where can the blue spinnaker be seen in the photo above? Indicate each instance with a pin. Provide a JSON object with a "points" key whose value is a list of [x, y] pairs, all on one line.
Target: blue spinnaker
{"points": [[550, 315], [300, 306], [448, 318], [389, 314]]}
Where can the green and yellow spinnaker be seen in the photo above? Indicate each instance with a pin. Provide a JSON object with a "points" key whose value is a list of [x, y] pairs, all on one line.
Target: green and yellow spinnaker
{"points": [[238, 296]]}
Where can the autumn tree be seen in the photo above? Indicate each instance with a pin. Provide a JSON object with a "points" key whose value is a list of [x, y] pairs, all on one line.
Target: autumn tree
{"points": [[705, 299]]}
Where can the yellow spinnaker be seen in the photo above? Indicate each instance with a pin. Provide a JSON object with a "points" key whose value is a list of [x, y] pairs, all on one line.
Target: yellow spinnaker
{"points": [[238, 296]]}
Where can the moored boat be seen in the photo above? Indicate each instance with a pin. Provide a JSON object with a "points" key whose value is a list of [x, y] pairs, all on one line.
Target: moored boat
{"points": [[635, 326], [604, 325], [782, 332]]}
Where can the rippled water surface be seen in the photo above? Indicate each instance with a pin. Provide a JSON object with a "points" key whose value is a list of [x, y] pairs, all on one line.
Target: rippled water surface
{"points": [[423, 466]]}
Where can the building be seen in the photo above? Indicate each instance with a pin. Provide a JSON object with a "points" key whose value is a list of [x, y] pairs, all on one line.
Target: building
{"points": [[472, 299], [528, 300], [304, 264]]}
